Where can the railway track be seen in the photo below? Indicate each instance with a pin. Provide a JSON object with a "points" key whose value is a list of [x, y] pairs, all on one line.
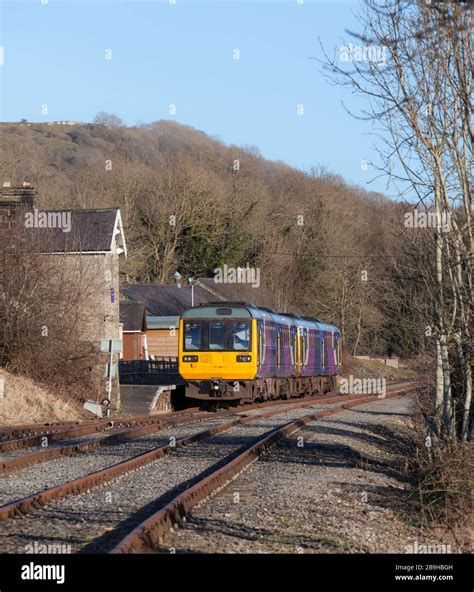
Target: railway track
{"points": [[156, 487], [13, 458], [149, 535], [15, 461], [122, 446], [28, 436]]}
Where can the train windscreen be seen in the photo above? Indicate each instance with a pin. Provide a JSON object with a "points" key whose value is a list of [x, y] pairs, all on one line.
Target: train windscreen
{"points": [[213, 335]]}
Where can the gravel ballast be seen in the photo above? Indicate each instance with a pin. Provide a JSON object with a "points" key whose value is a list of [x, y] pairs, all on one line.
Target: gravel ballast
{"points": [[336, 486], [96, 521]]}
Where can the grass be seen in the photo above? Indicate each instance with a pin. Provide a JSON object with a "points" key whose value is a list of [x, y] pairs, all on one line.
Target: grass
{"points": [[26, 402], [376, 369], [444, 485]]}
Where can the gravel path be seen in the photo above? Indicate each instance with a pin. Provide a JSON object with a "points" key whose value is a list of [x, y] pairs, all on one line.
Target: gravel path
{"points": [[342, 491], [96, 521]]}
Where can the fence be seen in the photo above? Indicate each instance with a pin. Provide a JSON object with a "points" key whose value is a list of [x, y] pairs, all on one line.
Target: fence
{"points": [[161, 371]]}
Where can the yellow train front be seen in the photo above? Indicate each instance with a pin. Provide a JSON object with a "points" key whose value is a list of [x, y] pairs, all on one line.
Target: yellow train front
{"points": [[235, 351]]}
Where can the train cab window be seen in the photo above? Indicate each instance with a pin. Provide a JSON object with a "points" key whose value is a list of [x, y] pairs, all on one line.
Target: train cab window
{"points": [[192, 336], [241, 336], [217, 335]]}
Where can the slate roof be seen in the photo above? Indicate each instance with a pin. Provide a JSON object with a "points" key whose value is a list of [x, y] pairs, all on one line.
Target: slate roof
{"points": [[132, 315], [90, 231], [227, 291], [166, 300]]}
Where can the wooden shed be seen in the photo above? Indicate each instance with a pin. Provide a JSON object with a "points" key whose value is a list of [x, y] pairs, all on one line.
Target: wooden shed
{"points": [[162, 336], [133, 319]]}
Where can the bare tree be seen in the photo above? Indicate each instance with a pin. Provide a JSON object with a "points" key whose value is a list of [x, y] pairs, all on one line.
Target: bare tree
{"points": [[46, 306], [108, 119], [419, 89]]}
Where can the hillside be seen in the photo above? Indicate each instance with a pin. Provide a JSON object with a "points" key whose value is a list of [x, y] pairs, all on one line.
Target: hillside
{"points": [[191, 203]]}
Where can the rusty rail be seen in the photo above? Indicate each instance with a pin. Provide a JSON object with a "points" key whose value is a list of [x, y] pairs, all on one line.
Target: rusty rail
{"points": [[29, 503], [90, 427], [8, 433], [20, 462], [170, 420], [151, 532]]}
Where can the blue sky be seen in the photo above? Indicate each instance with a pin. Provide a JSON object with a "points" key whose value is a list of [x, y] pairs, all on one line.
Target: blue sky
{"points": [[183, 54]]}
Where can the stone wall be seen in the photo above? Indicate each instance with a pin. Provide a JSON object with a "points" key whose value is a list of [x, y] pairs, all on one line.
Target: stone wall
{"points": [[98, 278], [392, 362]]}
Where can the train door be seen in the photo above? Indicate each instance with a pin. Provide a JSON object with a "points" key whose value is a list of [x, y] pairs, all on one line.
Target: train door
{"points": [[261, 343], [294, 349], [304, 348], [323, 350], [279, 347], [310, 351], [337, 350], [331, 348], [272, 341]]}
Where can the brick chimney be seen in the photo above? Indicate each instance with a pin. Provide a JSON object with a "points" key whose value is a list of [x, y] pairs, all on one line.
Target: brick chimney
{"points": [[13, 200]]}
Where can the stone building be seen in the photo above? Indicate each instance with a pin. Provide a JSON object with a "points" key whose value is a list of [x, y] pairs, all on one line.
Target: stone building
{"points": [[87, 245]]}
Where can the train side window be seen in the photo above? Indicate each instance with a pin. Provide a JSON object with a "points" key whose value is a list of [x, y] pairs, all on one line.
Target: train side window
{"points": [[217, 335], [192, 336], [241, 336]]}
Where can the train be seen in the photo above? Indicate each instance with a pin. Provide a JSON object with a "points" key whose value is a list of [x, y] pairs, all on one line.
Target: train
{"points": [[235, 351]]}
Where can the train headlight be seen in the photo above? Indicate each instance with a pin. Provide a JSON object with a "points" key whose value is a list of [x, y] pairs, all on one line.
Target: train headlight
{"points": [[244, 358], [190, 358]]}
